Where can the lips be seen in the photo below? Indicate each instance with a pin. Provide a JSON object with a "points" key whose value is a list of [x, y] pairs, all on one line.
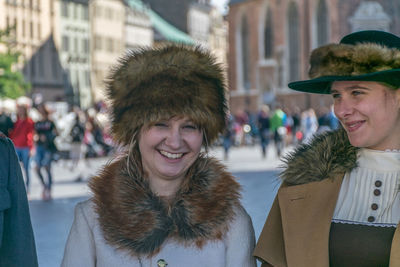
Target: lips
{"points": [[171, 155], [354, 125]]}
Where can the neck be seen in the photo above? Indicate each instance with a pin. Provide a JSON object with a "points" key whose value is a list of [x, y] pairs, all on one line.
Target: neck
{"points": [[164, 188]]}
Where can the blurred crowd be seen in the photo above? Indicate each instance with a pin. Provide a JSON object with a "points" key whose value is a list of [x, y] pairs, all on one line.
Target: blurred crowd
{"points": [[43, 133], [280, 127]]}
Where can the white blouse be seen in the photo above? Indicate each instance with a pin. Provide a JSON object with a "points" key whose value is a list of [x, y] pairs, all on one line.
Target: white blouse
{"points": [[370, 192]]}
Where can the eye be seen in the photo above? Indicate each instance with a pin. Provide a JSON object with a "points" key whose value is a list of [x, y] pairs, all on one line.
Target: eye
{"points": [[335, 95], [190, 127], [161, 124], [356, 92]]}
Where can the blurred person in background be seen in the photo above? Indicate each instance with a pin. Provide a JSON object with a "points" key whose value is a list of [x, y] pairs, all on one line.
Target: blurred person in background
{"points": [[22, 137], [264, 129], [278, 130], [308, 124], [17, 244], [6, 123], [76, 135], [45, 134], [164, 202], [327, 120], [228, 135], [339, 202]]}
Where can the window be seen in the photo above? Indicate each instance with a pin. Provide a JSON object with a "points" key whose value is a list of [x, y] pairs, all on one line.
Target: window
{"points": [[75, 9], [97, 42], [87, 78], [85, 11], [76, 45], [110, 45], [65, 43], [245, 53], [64, 9], [39, 33], [322, 23], [268, 35], [85, 45], [293, 42], [23, 28]]}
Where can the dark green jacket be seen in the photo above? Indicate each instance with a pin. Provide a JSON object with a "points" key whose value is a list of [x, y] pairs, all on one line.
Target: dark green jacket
{"points": [[17, 244]]}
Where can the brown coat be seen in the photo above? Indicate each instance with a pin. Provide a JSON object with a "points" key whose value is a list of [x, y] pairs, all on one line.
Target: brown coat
{"points": [[296, 232]]}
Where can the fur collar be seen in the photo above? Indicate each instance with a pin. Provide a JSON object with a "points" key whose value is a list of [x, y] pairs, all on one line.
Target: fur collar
{"points": [[134, 219], [328, 155]]}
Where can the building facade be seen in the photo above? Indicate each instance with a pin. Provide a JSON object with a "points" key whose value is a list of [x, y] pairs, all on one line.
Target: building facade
{"points": [[270, 42], [73, 41], [34, 39], [107, 21], [138, 28]]}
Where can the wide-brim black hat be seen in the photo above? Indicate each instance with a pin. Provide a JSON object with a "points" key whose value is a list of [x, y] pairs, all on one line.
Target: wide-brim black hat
{"points": [[360, 56]]}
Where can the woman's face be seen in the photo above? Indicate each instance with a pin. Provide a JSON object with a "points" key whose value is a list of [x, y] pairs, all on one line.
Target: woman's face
{"points": [[369, 112], [169, 147]]}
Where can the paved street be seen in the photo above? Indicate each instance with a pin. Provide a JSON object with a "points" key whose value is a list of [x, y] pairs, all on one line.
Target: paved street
{"points": [[52, 220]]}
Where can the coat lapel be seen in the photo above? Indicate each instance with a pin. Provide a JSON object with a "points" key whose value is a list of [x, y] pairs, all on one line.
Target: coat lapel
{"points": [[306, 212]]}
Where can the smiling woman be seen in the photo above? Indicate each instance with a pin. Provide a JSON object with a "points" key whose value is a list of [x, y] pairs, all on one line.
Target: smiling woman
{"points": [[164, 202], [339, 204]]}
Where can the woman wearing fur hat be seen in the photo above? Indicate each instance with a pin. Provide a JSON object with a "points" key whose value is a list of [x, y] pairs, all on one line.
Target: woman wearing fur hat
{"points": [[164, 202], [339, 203]]}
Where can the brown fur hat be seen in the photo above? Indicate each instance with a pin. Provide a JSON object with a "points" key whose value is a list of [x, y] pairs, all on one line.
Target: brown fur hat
{"points": [[360, 56], [159, 83]]}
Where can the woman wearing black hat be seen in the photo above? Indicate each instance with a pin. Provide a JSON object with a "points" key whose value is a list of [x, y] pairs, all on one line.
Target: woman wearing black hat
{"points": [[339, 203], [164, 202]]}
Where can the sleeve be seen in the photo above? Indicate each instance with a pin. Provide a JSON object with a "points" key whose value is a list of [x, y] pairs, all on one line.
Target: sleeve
{"points": [[80, 248], [17, 246], [240, 241]]}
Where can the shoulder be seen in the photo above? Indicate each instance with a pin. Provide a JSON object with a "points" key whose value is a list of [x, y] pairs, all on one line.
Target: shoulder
{"points": [[85, 210], [242, 218], [326, 156]]}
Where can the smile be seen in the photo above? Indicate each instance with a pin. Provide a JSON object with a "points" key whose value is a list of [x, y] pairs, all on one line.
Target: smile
{"points": [[171, 155], [353, 126]]}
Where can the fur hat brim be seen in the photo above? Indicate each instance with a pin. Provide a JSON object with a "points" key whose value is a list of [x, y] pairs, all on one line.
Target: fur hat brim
{"points": [[153, 84], [360, 56]]}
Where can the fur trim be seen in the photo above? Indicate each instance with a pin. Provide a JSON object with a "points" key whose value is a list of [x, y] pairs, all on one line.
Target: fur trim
{"points": [[134, 219], [153, 84], [352, 60], [328, 155]]}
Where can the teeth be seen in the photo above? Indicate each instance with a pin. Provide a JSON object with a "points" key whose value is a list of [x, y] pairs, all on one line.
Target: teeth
{"points": [[171, 155]]}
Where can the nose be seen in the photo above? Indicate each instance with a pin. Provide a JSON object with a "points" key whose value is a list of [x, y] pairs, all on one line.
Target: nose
{"points": [[173, 138], [343, 108]]}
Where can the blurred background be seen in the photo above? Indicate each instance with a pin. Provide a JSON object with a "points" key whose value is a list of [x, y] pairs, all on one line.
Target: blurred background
{"points": [[58, 53]]}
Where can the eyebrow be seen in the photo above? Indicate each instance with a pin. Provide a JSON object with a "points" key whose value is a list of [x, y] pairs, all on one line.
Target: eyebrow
{"points": [[351, 88]]}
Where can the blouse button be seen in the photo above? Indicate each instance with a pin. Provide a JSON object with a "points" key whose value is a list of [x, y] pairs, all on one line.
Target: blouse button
{"points": [[377, 192], [371, 218], [374, 206], [378, 183]]}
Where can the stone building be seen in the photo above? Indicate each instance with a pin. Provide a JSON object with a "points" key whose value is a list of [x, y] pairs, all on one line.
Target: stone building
{"points": [[34, 39], [107, 20], [73, 41], [138, 28], [270, 42]]}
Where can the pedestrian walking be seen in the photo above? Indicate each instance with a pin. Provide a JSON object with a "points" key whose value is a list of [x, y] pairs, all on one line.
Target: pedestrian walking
{"points": [[17, 244], [6, 123], [264, 129], [278, 130], [164, 202], [22, 137], [45, 147], [339, 203]]}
